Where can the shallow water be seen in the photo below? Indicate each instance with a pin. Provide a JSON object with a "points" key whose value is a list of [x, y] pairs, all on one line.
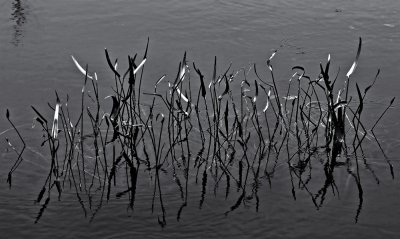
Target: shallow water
{"points": [[38, 37]]}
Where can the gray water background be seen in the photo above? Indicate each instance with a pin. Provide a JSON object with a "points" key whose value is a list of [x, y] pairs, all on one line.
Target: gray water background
{"points": [[38, 37]]}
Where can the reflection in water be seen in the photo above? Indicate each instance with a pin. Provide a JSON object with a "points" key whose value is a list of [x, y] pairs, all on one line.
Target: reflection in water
{"points": [[206, 138], [19, 18]]}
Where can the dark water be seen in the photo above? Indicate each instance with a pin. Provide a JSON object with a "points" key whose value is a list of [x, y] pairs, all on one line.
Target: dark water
{"points": [[38, 37]]}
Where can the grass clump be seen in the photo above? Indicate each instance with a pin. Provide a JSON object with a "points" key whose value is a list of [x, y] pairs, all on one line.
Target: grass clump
{"points": [[203, 131]]}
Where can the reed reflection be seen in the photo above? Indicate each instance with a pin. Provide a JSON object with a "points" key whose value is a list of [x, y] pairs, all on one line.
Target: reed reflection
{"points": [[18, 16]]}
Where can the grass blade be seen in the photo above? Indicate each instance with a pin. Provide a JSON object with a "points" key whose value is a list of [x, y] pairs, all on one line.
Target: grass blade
{"points": [[353, 67], [80, 68]]}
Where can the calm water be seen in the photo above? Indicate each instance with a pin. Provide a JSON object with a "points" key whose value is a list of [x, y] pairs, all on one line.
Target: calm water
{"points": [[38, 37]]}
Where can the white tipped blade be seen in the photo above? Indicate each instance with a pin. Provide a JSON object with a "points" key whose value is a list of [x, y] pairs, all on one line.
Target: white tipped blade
{"points": [[80, 68], [54, 129], [268, 99], [182, 73], [353, 67], [182, 95], [338, 96], [272, 56], [161, 79], [266, 106], [139, 66]]}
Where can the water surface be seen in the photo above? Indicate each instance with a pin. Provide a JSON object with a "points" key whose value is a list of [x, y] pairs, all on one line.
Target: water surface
{"points": [[38, 37]]}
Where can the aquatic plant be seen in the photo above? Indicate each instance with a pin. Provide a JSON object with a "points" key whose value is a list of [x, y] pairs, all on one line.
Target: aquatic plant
{"points": [[204, 131]]}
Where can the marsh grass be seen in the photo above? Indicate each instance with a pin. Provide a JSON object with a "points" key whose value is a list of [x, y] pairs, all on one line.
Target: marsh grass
{"points": [[231, 133]]}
